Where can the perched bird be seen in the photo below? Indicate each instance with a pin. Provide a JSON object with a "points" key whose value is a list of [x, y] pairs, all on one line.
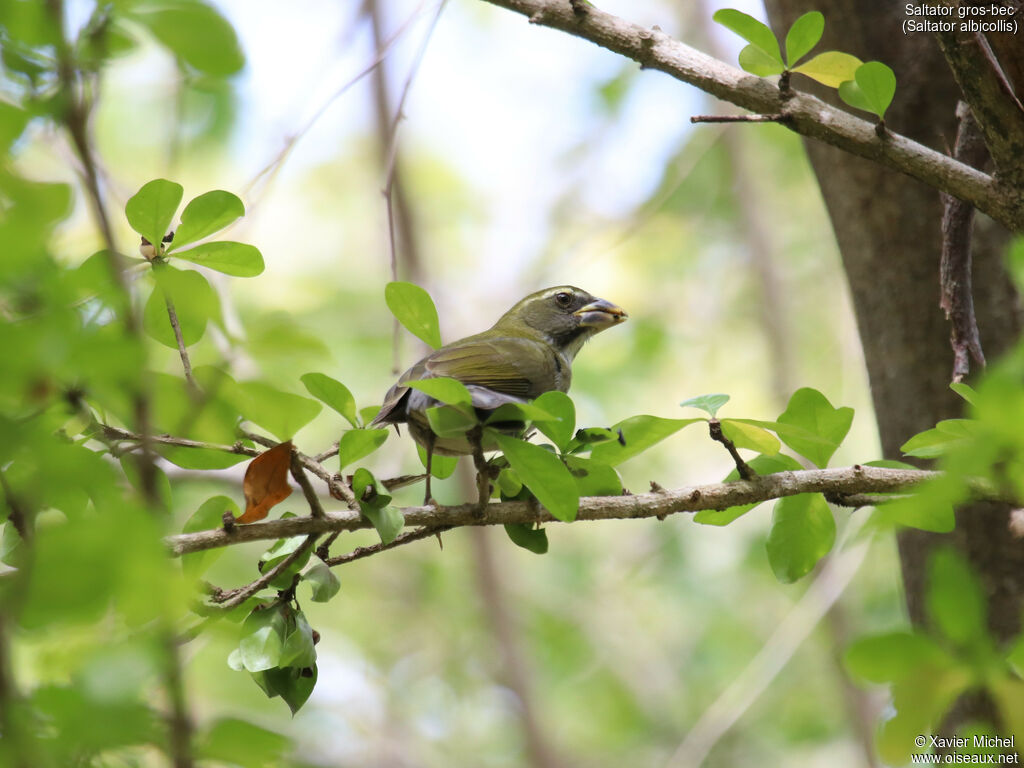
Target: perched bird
{"points": [[529, 351]]}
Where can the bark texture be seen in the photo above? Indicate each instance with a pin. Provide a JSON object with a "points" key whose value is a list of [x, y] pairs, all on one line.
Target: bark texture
{"points": [[889, 232]]}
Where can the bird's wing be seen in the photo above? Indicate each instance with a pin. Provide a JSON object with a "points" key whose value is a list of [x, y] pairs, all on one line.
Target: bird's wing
{"points": [[512, 366], [505, 365]]}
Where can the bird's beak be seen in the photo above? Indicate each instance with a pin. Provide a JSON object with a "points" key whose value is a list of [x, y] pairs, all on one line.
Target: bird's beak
{"points": [[600, 314]]}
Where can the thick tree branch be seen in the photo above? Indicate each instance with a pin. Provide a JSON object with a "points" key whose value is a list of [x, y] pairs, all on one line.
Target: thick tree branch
{"points": [[805, 114], [846, 480]]}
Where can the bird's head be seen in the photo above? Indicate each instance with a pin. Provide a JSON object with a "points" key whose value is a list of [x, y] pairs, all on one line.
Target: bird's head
{"points": [[565, 316]]}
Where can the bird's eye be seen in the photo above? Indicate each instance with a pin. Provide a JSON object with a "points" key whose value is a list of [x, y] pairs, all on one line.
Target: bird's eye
{"points": [[564, 299]]}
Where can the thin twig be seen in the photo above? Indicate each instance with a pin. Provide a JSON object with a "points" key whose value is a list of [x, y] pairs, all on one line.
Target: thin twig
{"points": [[404, 538], [299, 473], [116, 433], [744, 469], [777, 118], [957, 298], [172, 315], [235, 597]]}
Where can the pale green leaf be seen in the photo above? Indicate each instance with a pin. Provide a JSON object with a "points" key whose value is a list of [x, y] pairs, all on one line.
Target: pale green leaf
{"points": [[332, 393], [206, 214], [803, 531], [830, 68], [151, 210], [415, 310], [803, 36], [237, 259], [544, 474]]}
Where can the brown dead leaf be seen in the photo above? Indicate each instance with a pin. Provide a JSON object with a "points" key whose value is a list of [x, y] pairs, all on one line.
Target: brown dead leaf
{"points": [[266, 482]]}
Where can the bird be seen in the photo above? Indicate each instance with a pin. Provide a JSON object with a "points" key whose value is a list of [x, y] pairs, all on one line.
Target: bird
{"points": [[527, 352]]}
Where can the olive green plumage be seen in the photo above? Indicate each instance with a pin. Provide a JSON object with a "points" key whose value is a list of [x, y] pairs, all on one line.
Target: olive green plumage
{"points": [[529, 351]]}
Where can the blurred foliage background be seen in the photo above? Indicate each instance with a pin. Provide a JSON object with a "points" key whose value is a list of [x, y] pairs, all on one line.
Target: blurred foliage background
{"points": [[526, 158]]}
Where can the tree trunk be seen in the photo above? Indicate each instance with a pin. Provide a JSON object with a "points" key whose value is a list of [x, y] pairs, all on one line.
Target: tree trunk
{"points": [[888, 228]]}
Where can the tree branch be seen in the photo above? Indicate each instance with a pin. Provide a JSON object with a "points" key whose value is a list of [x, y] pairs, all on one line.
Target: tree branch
{"points": [[957, 298], [186, 363], [231, 598], [847, 480], [404, 538], [805, 114]]}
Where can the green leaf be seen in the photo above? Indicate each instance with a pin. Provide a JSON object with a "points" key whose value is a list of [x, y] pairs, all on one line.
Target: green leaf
{"points": [[851, 93], [333, 393], [441, 467], [878, 84], [194, 33], [292, 684], [298, 649], [965, 391], [544, 474], [206, 214], [528, 537], [810, 410], [209, 515], [388, 521], [449, 391], [195, 304], [446, 421], [414, 309], [944, 436], [357, 443], [559, 405], [763, 465], [707, 403], [519, 412], [237, 742], [262, 639], [803, 36], [237, 259], [755, 61], [281, 413], [509, 483], [890, 657], [751, 30], [151, 209], [751, 437], [639, 433], [872, 88], [803, 531], [955, 601], [373, 503], [594, 478], [322, 579], [831, 68]]}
